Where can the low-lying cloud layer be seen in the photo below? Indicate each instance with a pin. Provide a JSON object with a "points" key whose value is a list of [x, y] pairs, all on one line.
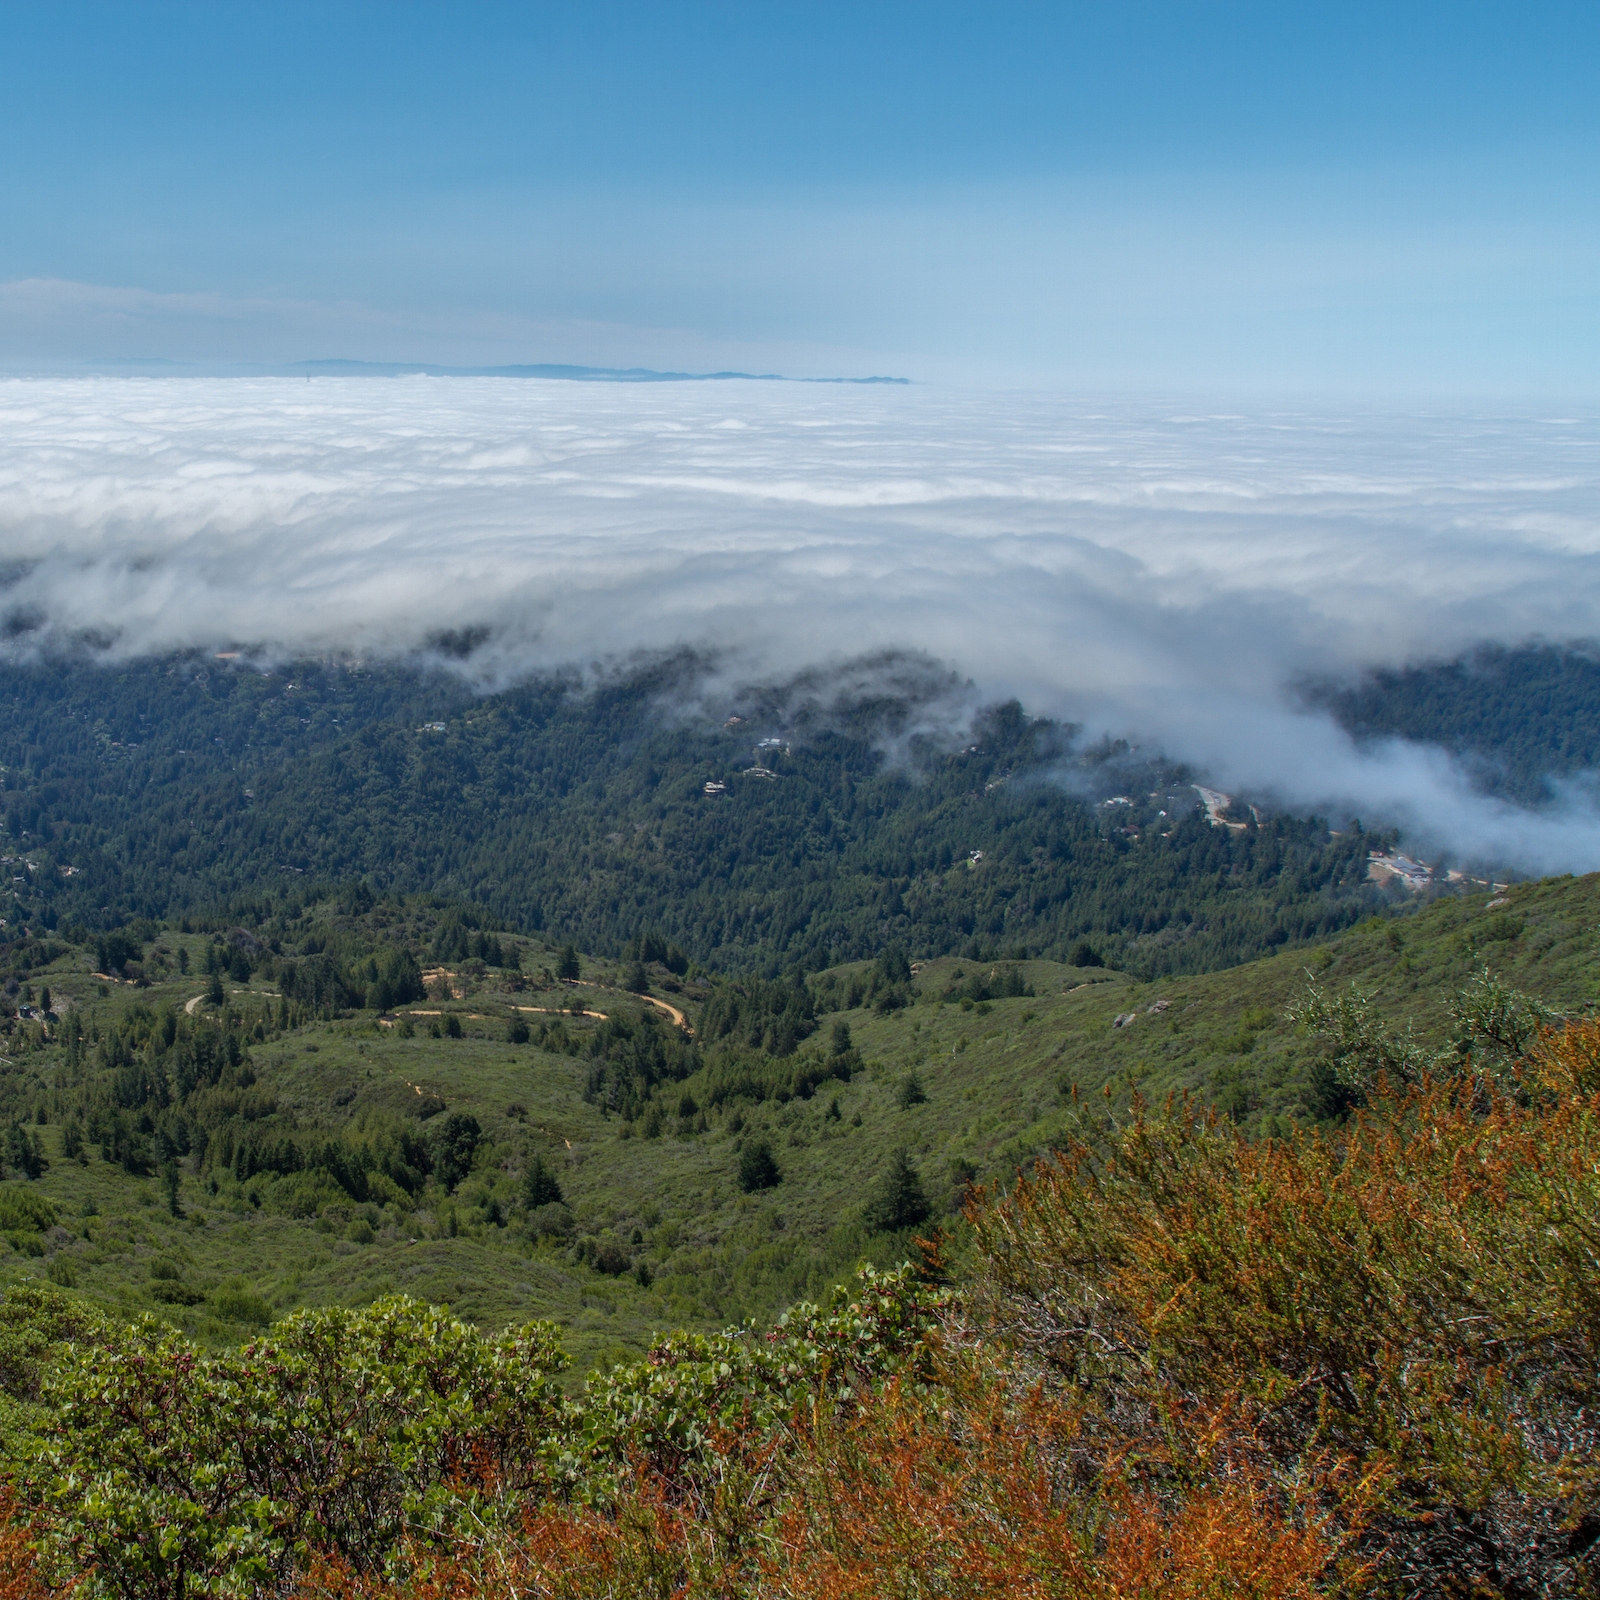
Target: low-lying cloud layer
{"points": [[1160, 572]]}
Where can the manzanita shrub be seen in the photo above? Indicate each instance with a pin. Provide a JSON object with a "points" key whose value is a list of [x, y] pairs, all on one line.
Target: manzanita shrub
{"points": [[374, 1440], [163, 1473], [695, 1402]]}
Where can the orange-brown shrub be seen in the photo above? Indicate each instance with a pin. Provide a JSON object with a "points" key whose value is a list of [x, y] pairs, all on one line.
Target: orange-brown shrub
{"points": [[20, 1578], [971, 1502], [1418, 1297], [960, 1497]]}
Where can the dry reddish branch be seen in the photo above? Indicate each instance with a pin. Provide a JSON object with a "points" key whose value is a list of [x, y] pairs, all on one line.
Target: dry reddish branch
{"points": [[971, 1501], [20, 1578], [961, 1500]]}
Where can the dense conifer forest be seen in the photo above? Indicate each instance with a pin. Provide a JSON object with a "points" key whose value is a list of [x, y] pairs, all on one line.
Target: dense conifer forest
{"points": [[830, 828], [1522, 719]]}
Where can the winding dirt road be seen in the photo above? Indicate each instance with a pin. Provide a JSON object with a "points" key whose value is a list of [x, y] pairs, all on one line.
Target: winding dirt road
{"points": [[672, 1011]]}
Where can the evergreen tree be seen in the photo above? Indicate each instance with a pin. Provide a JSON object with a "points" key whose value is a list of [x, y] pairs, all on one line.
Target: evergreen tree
{"points": [[171, 1182], [758, 1168], [567, 967], [893, 966], [454, 1144], [898, 1202], [24, 1152], [539, 1185]]}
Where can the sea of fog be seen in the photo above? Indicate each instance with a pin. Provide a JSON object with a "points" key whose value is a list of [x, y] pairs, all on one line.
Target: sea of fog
{"points": [[1163, 572]]}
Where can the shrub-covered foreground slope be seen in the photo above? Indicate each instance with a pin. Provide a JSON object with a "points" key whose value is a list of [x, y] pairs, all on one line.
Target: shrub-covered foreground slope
{"points": [[336, 1161], [1183, 1363]]}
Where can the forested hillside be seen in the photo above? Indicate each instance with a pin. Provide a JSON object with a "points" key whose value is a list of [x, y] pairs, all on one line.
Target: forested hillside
{"points": [[1519, 718], [830, 829]]}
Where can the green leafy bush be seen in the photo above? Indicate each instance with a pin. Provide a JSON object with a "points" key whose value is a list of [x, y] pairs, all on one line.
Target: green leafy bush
{"points": [[37, 1323], [176, 1294], [167, 1474], [23, 1211], [678, 1411], [241, 1305]]}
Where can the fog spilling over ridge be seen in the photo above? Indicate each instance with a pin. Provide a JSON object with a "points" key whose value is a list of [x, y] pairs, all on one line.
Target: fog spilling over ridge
{"points": [[1160, 572]]}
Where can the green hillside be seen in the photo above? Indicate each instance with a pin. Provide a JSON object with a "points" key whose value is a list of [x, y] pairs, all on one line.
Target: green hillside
{"points": [[644, 1130]]}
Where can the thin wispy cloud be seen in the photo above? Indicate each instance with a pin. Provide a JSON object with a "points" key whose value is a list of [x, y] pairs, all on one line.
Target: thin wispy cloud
{"points": [[1153, 571]]}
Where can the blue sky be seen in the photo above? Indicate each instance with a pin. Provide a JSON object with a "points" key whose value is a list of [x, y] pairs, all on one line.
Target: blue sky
{"points": [[1235, 198]]}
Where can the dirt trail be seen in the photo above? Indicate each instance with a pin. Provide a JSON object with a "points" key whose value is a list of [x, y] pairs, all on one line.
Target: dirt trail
{"points": [[431, 974], [266, 994], [672, 1011], [480, 1016]]}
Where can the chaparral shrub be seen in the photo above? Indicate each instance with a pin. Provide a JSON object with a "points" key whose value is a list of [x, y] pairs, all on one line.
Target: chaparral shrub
{"points": [[1417, 1297]]}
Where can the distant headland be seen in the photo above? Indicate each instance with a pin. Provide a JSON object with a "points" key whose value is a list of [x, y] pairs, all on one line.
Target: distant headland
{"points": [[164, 367], [545, 369]]}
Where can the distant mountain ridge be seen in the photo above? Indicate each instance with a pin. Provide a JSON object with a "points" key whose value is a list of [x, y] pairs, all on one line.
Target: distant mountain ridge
{"points": [[340, 367], [545, 369]]}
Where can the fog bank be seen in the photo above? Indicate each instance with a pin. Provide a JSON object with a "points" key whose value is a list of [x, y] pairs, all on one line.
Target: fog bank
{"points": [[1158, 572]]}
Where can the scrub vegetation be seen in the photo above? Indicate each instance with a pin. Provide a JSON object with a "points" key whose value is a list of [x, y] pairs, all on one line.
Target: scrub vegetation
{"points": [[1178, 1361]]}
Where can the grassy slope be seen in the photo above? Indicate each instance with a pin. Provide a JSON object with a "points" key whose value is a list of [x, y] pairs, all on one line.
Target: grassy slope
{"points": [[994, 1082]]}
